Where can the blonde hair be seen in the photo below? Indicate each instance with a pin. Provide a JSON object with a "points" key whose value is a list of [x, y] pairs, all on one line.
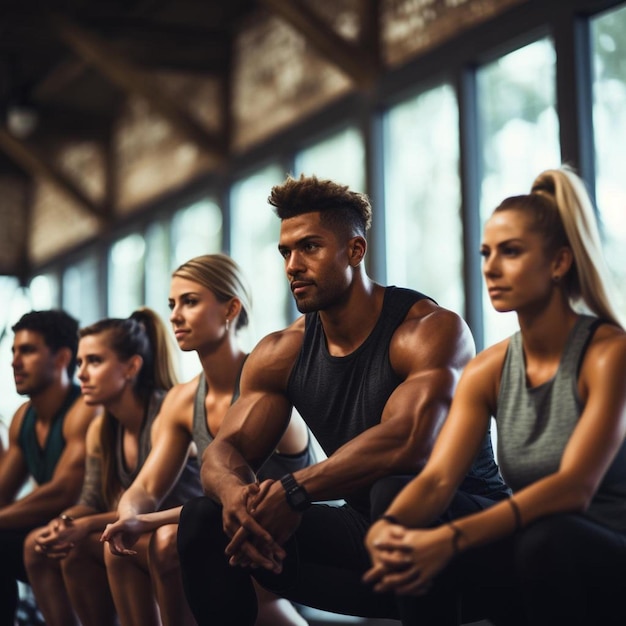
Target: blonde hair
{"points": [[221, 275], [563, 213]]}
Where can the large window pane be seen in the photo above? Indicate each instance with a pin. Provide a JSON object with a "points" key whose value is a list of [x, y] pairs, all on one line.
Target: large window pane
{"points": [[422, 197], [158, 268], [254, 237], [81, 285], [520, 138], [126, 261], [609, 122], [44, 291], [340, 158], [196, 230], [16, 304]]}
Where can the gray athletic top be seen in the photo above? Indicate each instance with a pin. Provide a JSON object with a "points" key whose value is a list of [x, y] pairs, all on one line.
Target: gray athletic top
{"points": [[535, 424], [187, 486], [276, 466]]}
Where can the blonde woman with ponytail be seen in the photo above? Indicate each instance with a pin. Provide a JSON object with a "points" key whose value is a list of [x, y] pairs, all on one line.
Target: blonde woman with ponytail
{"points": [[125, 366], [555, 552]]}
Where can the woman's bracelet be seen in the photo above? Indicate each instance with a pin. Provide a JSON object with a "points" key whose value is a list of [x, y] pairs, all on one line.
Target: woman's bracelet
{"points": [[457, 534], [68, 519], [392, 519], [516, 513]]}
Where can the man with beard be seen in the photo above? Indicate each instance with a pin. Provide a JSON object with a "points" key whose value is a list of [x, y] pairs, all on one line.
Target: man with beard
{"points": [[45, 456], [372, 370]]}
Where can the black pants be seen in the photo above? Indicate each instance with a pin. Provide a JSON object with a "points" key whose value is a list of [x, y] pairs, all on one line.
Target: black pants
{"points": [[11, 570], [563, 569], [326, 559]]}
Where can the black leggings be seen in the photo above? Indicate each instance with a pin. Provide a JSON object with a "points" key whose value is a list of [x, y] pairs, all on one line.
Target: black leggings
{"points": [[11, 570], [326, 559], [563, 569]]}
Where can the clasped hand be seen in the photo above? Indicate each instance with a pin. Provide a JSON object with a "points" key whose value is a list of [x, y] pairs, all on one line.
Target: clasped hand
{"points": [[58, 538], [405, 561], [123, 534], [258, 521]]}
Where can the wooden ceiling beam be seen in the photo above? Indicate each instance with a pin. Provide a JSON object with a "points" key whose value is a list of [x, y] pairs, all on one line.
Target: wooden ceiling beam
{"points": [[358, 62], [31, 161], [121, 72]]}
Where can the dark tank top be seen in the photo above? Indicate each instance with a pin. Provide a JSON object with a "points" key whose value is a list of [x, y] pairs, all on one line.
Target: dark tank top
{"points": [[41, 462], [277, 464], [341, 397]]}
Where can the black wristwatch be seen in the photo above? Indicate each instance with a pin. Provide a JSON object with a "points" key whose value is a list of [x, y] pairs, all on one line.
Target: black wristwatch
{"points": [[297, 497]]}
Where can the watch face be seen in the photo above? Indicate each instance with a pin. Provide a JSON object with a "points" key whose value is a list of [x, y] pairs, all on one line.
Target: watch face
{"points": [[298, 499]]}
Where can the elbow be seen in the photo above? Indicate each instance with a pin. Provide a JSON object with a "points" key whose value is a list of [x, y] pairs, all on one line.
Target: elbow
{"points": [[578, 498], [410, 458]]}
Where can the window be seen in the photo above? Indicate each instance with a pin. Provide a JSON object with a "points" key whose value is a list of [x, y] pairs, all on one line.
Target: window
{"points": [[196, 230], [126, 261], [340, 158], [158, 269], [18, 304], [423, 226], [44, 292], [520, 138], [609, 123], [254, 236], [81, 289]]}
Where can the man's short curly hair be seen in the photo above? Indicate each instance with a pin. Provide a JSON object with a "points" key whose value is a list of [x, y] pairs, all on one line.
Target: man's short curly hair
{"points": [[340, 208], [58, 329]]}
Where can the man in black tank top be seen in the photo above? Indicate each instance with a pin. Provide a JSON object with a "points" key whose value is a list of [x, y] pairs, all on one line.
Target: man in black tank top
{"points": [[372, 371], [46, 440]]}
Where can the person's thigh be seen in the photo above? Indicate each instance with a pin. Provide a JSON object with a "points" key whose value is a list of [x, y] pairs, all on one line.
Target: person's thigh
{"points": [[571, 566], [326, 559], [12, 552]]}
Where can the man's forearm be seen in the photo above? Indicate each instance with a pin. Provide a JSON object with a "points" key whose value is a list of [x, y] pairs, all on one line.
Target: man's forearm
{"points": [[38, 507], [224, 468], [378, 452]]}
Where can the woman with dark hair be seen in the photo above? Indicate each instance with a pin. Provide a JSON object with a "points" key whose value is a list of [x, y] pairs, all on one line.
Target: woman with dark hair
{"points": [[556, 390], [124, 365]]}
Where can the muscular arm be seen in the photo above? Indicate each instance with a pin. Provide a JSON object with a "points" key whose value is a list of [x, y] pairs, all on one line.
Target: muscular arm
{"points": [[256, 422], [47, 500], [429, 351], [13, 469]]}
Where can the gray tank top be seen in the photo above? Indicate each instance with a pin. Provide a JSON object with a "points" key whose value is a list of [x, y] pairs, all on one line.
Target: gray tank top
{"points": [[535, 424], [188, 484], [186, 487], [277, 464]]}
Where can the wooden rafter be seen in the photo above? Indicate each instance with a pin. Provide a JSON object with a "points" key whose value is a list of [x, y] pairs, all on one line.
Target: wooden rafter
{"points": [[118, 70], [32, 162], [360, 62]]}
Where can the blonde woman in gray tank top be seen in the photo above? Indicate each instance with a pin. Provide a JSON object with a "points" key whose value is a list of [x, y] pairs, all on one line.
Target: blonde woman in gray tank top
{"points": [[555, 552], [209, 300]]}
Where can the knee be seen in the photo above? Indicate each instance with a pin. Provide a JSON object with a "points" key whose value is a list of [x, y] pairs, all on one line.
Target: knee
{"points": [[75, 562], [33, 560], [200, 518], [163, 551], [383, 492]]}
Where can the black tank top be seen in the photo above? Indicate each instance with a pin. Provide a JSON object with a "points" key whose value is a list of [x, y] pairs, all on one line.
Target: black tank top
{"points": [[341, 397]]}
